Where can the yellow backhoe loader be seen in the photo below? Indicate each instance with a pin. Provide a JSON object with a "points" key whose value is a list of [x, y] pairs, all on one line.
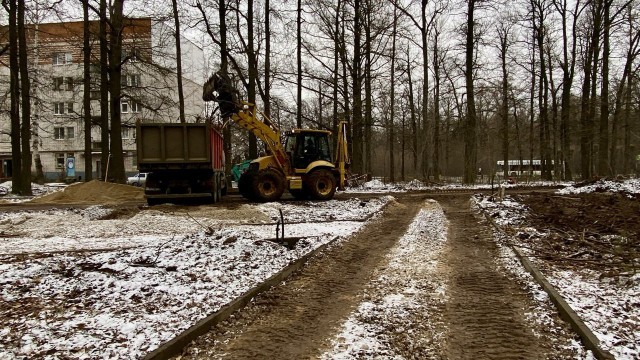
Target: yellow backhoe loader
{"points": [[303, 165]]}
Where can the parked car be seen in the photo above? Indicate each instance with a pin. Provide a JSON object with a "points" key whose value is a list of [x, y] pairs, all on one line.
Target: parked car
{"points": [[138, 179]]}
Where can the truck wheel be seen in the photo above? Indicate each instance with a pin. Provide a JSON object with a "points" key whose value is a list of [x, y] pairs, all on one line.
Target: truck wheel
{"points": [[321, 184], [244, 185], [268, 185]]}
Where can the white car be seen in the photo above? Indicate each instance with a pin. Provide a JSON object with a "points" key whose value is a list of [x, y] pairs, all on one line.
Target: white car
{"points": [[137, 180]]}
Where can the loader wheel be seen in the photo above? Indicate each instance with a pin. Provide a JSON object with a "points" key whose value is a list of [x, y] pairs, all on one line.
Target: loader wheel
{"points": [[244, 185], [268, 185], [321, 184]]}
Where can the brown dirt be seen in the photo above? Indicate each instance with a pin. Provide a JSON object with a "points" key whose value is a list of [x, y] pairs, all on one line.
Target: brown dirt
{"points": [[484, 316], [485, 312], [577, 227], [93, 192], [292, 320]]}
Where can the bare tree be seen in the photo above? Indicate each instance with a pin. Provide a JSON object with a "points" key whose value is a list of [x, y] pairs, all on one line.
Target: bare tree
{"points": [[176, 21], [86, 49], [105, 145], [470, 128], [116, 170]]}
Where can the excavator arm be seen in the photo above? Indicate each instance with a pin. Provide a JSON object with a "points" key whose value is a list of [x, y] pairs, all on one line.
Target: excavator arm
{"points": [[218, 88]]}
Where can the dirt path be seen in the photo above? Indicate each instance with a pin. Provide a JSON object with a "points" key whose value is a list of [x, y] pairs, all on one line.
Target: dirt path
{"points": [[480, 313], [485, 311], [292, 320]]}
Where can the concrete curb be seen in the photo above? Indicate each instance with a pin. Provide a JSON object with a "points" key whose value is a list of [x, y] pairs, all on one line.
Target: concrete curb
{"points": [[174, 346], [589, 340]]}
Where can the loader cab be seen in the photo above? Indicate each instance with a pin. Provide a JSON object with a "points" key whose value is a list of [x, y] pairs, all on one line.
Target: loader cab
{"points": [[307, 146]]}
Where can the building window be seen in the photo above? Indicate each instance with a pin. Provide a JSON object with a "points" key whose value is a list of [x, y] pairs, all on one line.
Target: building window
{"points": [[124, 106], [59, 160], [61, 108], [58, 108], [132, 80], [63, 83], [136, 107], [57, 83], [63, 133], [95, 94], [128, 132], [61, 58], [69, 83]]}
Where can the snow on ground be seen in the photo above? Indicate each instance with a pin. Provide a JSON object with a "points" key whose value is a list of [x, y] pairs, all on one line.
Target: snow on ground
{"points": [[631, 186], [610, 308], [378, 186], [406, 287], [543, 313], [124, 302], [37, 190]]}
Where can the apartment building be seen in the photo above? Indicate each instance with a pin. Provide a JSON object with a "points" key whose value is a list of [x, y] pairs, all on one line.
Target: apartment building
{"points": [[149, 88]]}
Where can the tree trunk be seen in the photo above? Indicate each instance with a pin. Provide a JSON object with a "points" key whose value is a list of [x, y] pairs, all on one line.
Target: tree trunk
{"points": [[224, 69], [470, 140], [299, 63], [588, 88], [368, 107], [176, 21], [267, 59], [86, 96], [357, 163], [253, 75], [25, 93], [336, 69], [414, 121], [504, 108], [105, 147], [425, 90], [436, 108], [14, 91], [392, 168], [603, 139], [116, 170]]}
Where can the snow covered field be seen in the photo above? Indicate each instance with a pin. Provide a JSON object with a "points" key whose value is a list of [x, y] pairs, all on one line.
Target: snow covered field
{"points": [[92, 284], [609, 306]]}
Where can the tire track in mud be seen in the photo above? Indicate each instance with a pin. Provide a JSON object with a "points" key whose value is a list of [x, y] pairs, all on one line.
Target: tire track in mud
{"points": [[292, 320], [485, 311]]}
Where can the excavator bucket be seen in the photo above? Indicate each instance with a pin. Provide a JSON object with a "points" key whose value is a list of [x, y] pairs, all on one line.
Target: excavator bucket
{"points": [[218, 88]]}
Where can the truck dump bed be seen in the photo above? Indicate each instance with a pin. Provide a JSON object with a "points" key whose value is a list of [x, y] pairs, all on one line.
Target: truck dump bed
{"points": [[165, 146]]}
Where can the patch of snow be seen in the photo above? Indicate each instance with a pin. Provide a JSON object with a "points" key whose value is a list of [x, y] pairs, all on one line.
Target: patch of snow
{"points": [[630, 186], [406, 288], [124, 302]]}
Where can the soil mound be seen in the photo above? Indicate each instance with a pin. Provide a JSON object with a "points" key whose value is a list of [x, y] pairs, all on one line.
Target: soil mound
{"points": [[93, 192]]}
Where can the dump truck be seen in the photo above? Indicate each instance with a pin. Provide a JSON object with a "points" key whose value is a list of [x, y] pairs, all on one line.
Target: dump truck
{"points": [[183, 161], [302, 164]]}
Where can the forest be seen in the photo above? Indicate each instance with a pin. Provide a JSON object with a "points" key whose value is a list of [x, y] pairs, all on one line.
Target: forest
{"points": [[432, 89]]}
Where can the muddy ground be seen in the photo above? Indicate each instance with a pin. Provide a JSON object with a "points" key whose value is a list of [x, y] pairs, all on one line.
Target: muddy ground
{"points": [[598, 231], [485, 315]]}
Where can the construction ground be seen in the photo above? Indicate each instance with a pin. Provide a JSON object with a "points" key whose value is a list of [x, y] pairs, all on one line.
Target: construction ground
{"points": [[386, 272]]}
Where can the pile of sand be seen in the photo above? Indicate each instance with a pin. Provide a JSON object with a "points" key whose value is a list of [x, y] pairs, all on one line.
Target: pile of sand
{"points": [[93, 192]]}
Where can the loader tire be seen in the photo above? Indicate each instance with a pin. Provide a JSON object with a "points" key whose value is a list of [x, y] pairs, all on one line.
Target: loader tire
{"points": [[245, 185], [321, 184], [268, 185]]}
